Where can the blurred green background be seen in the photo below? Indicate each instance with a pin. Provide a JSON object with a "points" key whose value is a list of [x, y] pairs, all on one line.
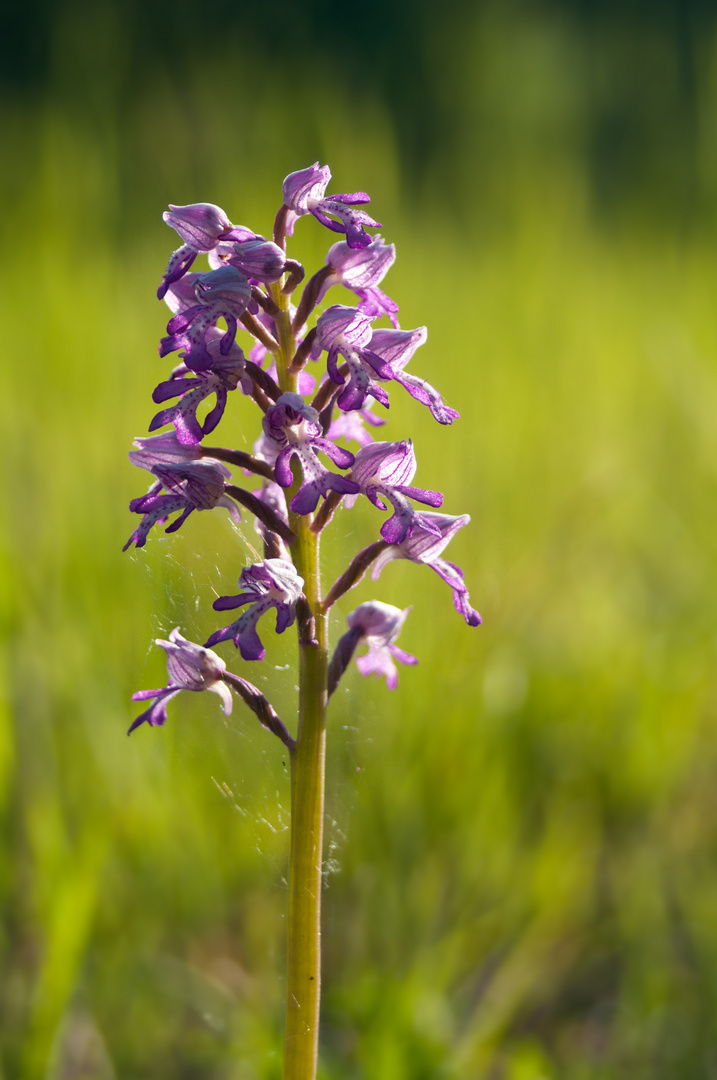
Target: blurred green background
{"points": [[521, 848]]}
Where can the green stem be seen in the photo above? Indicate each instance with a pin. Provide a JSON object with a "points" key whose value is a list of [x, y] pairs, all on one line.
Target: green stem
{"points": [[303, 988]]}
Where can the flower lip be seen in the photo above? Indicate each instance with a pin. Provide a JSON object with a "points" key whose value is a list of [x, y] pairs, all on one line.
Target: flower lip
{"points": [[223, 293], [361, 269], [384, 471], [190, 485], [192, 388]]}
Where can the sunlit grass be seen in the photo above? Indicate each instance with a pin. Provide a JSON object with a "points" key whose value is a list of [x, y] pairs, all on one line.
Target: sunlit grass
{"points": [[520, 837]]}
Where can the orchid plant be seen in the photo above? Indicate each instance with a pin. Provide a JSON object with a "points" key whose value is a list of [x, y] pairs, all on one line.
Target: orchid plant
{"points": [[305, 476]]}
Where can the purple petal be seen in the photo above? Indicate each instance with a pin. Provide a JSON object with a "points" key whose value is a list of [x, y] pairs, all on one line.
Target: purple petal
{"points": [[402, 655], [307, 497], [341, 457], [178, 522], [356, 197], [214, 416], [156, 714], [382, 368], [173, 388], [379, 662], [422, 495], [427, 395], [284, 617], [462, 605], [396, 529], [249, 644], [282, 468], [144, 695], [225, 603]]}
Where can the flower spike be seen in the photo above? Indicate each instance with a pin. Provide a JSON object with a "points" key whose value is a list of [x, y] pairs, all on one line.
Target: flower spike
{"points": [[225, 281]]}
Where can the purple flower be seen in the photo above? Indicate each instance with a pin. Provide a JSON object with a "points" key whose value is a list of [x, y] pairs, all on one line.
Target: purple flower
{"points": [[383, 471], [294, 427], [219, 294], [189, 667], [224, 375], [431, 533], [396, 347], [303, 193], [361, 270], [273, 583], [190, 485], [380, 624], [347, 332], [200, 226]]}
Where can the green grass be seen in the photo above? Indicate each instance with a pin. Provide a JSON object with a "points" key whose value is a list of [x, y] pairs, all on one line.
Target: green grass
{"points": [[521, 837]]}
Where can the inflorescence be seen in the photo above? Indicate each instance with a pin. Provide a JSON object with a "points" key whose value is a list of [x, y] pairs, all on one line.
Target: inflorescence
{"points": [[303, 470]]}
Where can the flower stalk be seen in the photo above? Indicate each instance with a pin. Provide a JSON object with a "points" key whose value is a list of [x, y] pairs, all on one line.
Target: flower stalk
{"points": [[303, 988], [308, 768]]}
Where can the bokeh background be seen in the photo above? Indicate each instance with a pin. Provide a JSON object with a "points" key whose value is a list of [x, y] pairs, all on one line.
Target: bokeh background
{"points": [[522, 850]]}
